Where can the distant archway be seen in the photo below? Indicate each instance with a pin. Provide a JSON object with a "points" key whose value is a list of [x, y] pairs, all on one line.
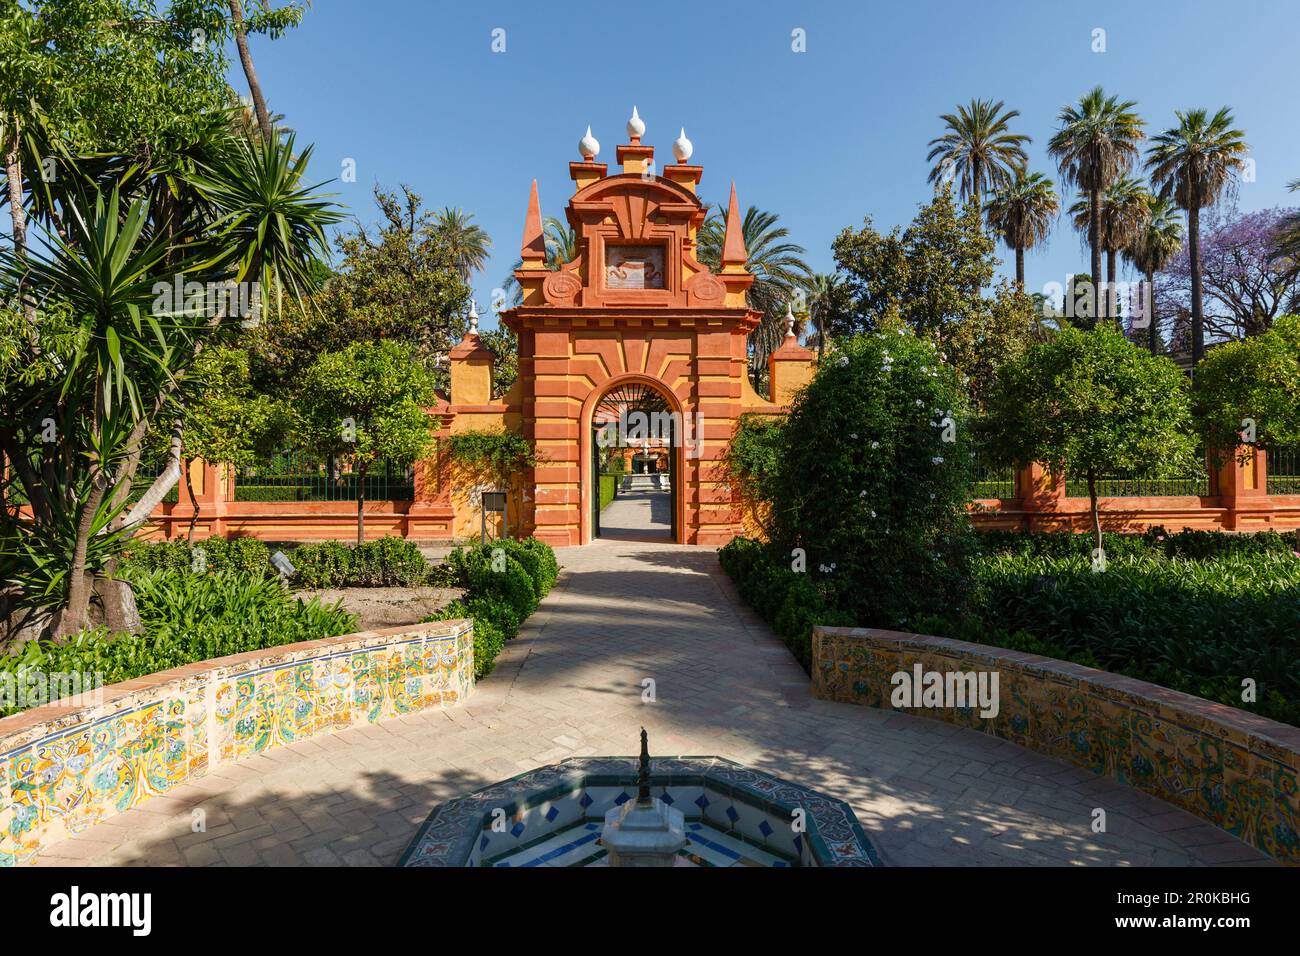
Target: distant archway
{"points": [[625, 397]]}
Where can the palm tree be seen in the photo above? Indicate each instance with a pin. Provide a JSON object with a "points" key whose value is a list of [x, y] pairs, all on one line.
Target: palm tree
{"points": [[822, 291], [1154, 244], [777, 266], [978, 148], [1123, 210], [469, 243], [1191, 163], [1288, 240], [1021, 212], [561, 241], [1097, 142], [250, 73]]}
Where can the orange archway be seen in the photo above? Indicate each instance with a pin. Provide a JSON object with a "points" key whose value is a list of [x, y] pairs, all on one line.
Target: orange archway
{"points": [[634, 304], [586, 433]]}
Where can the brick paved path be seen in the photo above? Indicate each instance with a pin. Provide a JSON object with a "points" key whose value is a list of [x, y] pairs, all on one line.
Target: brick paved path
{"points": [[571, 684]]}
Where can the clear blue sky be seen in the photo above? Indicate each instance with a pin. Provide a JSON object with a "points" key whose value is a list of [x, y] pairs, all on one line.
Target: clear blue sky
{"points": [[413, 92]]}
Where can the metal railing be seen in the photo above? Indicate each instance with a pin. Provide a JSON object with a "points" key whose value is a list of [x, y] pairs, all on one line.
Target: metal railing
{"points": [[989, 480], [293, 476], [1127, 486], [1283, 471]]}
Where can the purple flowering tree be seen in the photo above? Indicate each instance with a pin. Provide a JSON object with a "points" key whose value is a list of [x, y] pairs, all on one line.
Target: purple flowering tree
{"points": [[1246, 284]]}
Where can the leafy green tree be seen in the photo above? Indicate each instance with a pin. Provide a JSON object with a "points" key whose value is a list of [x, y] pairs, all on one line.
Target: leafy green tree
{"points": [[226, 420], [113, 271], [503, 345], [1091, 403], [366, 402], [1021, 213], [1191, 163], [978, 151], [1150, 249], [398, 283], [1245, 392], [1097, 141], [928, 274]]}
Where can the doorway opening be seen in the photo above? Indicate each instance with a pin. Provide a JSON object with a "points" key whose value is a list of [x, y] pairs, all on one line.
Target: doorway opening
{"points": [[635, 442]]}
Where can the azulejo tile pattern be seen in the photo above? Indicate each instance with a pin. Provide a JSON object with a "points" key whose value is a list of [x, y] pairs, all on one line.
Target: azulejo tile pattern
{"points": [[63, 769], [544, 817], [1229, 767]]}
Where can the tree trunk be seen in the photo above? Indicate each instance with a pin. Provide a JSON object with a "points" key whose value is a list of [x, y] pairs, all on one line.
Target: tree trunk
{"points": [[246, 59], [361, 501], [14, 181], [17, 213], [1194, 255], [1020, 268], [1112, 300], [118, 601], [1094, 240], [74, 618], [1153, 336], [1096, 515], [189, 490]]}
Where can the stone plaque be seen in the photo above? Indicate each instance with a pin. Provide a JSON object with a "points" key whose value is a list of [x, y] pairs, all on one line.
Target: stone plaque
{"points": [[634, 267]]}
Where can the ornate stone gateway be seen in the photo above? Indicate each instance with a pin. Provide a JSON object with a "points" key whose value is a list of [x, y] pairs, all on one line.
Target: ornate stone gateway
{"points": [[635, 322]]}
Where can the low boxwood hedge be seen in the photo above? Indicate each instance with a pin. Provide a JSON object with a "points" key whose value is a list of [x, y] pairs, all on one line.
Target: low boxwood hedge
{"points": [[503, 581], [384, 562]]}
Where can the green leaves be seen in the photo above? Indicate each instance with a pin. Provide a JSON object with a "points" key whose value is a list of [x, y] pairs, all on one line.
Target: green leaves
{"points": [[1251, 385], [1091, 401]]}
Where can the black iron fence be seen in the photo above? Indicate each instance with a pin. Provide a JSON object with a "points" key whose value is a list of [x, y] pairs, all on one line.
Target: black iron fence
{"points": [[293, 476]]}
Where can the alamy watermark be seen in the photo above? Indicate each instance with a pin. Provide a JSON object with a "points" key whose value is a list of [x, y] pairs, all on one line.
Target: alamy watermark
{"points": [[671, 428], [27, 688], [209, 300], [946, 690]]}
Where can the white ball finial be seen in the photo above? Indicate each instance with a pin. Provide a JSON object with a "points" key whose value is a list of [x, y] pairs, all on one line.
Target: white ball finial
{"points": [[473, 318], [589, 146], [682, 147], [635, 126], [789, 321]]}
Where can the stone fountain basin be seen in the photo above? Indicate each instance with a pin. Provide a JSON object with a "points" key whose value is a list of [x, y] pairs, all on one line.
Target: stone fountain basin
{"points": [[552, 816]]}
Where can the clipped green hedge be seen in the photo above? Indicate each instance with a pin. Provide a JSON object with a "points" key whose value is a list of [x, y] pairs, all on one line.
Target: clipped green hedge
{"points": [[187, 618], [789, 601], [1197, 612], [503, 580], [608, 489], [384, 562]]}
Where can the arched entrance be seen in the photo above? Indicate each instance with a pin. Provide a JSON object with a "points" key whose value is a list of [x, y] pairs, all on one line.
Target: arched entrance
{"points": [[633, 439], [633, 303]]}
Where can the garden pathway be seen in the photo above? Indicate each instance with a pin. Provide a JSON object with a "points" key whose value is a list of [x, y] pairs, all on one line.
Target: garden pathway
{"points": [[572, 684]]}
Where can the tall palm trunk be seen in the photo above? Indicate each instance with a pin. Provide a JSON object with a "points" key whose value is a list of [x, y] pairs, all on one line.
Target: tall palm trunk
{"points": [[1020, 267], [1153, 337], [246, 59], [1094, 240], [1194, 254], [1112, 300]]}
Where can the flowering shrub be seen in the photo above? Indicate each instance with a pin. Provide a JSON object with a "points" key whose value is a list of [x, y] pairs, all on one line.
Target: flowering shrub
{"points": [[873, 479]]}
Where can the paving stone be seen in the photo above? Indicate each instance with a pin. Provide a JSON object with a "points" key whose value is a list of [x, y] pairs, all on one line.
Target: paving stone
{"points": [[570, 683]]}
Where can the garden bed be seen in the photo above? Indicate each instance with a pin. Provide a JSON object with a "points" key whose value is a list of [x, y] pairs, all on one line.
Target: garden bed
{"points": [[1207, 613]]}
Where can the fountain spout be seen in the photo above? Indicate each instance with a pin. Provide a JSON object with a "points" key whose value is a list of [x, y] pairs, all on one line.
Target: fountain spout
{"points": [[645, 831]]}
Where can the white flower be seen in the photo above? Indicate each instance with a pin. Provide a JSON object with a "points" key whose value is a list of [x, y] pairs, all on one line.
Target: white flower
{"points": [[936, 460], [919, 403], [875, 444]]}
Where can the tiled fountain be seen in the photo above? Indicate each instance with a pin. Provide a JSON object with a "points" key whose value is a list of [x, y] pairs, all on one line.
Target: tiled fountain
{"points": [[730, 815]]}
